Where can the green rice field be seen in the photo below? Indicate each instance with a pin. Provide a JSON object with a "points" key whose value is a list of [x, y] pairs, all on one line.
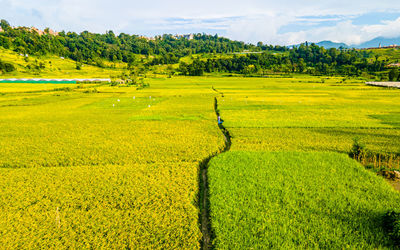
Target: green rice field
{"points": [[297, 200]]}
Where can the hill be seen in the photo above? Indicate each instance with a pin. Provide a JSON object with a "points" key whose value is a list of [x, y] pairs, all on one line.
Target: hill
{"points": [[374, 43], [379, 41], [330, 44], [51, 66]]}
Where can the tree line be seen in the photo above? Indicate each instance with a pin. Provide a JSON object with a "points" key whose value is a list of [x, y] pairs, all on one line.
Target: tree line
{"points": [[305, 58]]}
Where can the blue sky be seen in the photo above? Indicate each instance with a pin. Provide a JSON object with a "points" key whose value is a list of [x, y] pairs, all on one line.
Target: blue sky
{"points": [[282, 22]]}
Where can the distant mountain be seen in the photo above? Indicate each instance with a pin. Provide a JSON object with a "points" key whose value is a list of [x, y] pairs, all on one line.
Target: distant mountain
{"points": [[374, 43], [379, 40], [326, 45], [330, 44]]}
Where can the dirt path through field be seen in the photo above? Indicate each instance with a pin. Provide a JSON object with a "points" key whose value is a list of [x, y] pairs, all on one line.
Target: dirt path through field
{"points": [[206, 229]]}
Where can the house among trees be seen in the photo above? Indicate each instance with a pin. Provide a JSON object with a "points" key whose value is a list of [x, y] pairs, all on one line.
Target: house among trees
{"points": [[33, 29], [52, 32], [148, 38], [41, 32], [393, 46], [189, 37]]}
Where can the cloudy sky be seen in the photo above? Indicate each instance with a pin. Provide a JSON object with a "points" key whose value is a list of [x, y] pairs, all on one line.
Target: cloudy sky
{"points": [[283, 22]]}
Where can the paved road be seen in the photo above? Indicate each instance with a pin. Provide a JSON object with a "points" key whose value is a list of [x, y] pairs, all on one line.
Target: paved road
{"points": [[385, 84]]}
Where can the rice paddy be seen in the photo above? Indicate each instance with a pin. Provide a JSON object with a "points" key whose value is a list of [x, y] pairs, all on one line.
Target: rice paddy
{"points": [[100, 166]]}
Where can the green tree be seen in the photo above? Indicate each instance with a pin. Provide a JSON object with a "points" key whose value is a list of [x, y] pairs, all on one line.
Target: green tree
{"points": [[301, 65], [4, 25], [393, 74]]}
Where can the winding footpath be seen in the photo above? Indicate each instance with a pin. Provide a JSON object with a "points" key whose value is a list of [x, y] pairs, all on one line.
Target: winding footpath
{"points": [[204, 186]]}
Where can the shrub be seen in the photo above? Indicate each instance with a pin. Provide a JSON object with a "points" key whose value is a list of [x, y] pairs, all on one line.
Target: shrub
{"points": [[78, 66], [357, 149], [391, 222], [6, 67]]}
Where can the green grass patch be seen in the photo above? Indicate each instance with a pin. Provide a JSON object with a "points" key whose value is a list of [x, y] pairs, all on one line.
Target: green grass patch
{"points": [[291, 200], [392, 119]]}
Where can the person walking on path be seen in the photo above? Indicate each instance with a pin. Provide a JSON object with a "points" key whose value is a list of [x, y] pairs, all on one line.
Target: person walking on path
{"points": [[220, 121]]}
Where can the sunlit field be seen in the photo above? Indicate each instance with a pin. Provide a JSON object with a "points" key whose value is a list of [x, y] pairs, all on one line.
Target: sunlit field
{"points": [[55, 67], [185, 125], [112, 168], [308, 115], [94, 165], [263, 194], [297, 200]]}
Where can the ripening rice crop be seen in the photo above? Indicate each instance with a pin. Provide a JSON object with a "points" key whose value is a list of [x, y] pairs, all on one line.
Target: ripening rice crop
{"points": [[308, 115], [96, 166], [112, 168], [314, 139], [108, 206]]}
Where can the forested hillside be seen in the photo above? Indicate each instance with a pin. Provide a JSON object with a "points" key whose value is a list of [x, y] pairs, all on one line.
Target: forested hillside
{"points": [[203, 53], [89, 46]]}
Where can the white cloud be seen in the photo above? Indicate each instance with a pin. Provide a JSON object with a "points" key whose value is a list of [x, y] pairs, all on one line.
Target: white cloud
{"points": [[345, 32], [342, 32], [260, 20], [388, 29], [258, 28]]}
